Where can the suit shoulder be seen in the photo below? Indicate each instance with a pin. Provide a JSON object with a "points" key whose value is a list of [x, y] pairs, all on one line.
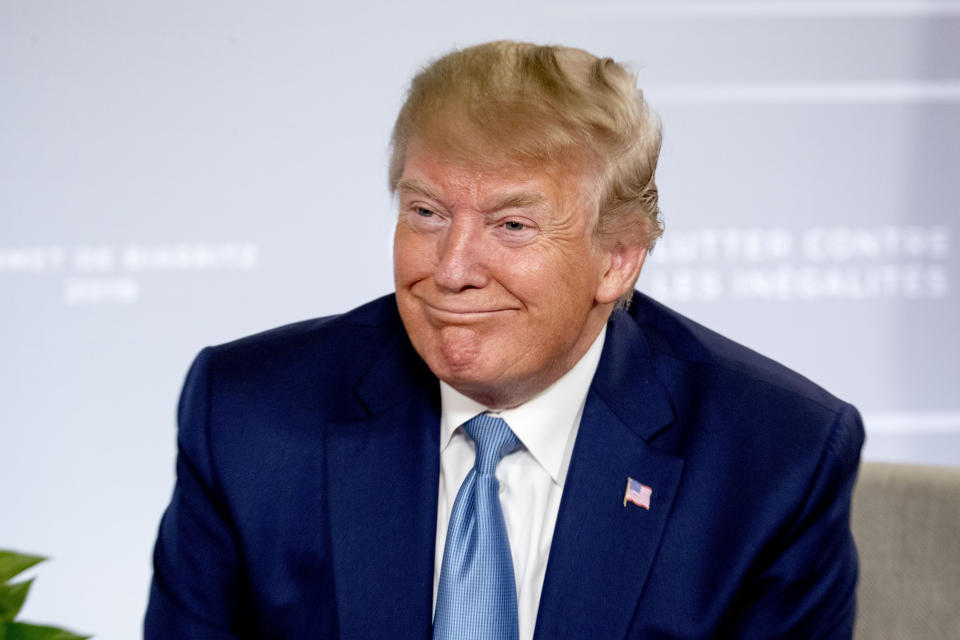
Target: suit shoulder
{"points": [[675, 336], [731, 403], [327, 353], [326, 333]]}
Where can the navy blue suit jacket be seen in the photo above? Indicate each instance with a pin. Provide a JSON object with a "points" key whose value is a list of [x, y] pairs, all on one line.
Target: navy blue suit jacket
{"points": [[306, 498]]}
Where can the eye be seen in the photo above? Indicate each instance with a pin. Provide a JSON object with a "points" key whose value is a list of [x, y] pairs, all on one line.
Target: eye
{"points": [[516, 232], [423, 218]]}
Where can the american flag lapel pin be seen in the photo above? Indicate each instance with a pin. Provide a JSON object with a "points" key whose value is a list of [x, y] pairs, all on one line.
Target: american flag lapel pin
{"points": [[638, 494]]}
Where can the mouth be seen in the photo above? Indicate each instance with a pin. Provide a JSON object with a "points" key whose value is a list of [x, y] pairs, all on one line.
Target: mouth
{"points": [[463, 313]]}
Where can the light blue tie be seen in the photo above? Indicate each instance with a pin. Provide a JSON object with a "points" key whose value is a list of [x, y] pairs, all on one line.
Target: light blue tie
{"points": [[477, 596]]}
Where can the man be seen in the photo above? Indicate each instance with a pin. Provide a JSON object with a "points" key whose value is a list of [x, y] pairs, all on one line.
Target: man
{"points": [[649, 478]]}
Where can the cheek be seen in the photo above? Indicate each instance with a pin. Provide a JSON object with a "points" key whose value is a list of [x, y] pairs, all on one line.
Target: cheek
{"points": [[564, 276], [412, 254]]}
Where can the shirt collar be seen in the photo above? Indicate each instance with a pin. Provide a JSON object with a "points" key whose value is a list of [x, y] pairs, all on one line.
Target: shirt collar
{"points": [[545, 423]]}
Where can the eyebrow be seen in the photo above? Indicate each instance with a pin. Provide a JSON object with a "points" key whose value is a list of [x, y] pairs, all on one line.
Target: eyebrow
{"points": [[412, 184], [517, 200]]}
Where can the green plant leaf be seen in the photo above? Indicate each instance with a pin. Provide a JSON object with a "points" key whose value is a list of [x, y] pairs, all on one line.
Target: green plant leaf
{"points": [[12, 563], [11, 599], [24, 631]]}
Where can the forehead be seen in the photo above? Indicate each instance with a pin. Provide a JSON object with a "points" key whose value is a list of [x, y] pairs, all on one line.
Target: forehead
{"points": [[493, 175]]}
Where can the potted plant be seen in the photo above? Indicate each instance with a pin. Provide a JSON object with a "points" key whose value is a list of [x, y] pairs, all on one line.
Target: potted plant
{"points": [[12, 597]]}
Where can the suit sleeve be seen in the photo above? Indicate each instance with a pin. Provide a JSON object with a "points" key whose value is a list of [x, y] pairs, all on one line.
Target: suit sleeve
{"points": [[807, 589], [196, 590]]}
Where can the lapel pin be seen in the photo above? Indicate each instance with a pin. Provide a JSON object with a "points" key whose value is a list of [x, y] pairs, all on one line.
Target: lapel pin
{"points": [[638, 494]]}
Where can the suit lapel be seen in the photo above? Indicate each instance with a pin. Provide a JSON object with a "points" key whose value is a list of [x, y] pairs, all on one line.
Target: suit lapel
{"points": [[602, 551], [382, 474]]}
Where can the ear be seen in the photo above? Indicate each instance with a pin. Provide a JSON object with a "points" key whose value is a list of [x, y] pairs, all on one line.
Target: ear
{"points": [[622, 268]]}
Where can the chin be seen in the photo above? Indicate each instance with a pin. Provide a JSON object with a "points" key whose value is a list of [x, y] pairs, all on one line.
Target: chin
{"points": [[465, 370], [461, 366]]}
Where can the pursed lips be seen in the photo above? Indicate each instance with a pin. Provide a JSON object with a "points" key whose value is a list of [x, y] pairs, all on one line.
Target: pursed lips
{"points": [[463, 313]]}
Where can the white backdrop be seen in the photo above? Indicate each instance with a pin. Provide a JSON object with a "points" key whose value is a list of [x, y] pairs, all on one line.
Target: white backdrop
{"points": [[179, 174]]}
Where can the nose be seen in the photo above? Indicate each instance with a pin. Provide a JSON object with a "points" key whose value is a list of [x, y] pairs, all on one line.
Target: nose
{"points": [[461, 263]]}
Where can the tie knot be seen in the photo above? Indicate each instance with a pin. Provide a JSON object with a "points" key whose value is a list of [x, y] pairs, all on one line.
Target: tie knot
{"points": [[493, 438]]}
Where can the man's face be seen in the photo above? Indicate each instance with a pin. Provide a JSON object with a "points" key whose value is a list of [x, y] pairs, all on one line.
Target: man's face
{"points": [[500, 283]]}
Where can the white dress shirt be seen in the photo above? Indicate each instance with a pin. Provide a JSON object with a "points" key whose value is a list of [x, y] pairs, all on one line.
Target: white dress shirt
{"points": [[531, 478]]}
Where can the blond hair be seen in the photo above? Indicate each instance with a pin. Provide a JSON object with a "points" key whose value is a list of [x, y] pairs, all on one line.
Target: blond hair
{"points": [[543, 104]]}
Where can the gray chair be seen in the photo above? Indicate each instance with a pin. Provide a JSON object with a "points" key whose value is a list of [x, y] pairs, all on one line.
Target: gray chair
{"points": [[906, 522]]}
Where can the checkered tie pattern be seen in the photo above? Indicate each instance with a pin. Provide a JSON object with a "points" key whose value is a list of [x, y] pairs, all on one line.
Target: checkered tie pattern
{"points": [[477, 596]]}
